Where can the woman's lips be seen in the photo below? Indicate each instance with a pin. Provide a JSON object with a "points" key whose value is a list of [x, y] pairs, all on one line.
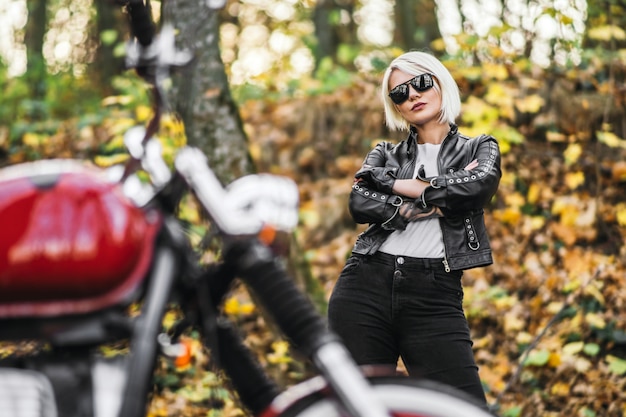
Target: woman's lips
{"points": [[418, 106]]}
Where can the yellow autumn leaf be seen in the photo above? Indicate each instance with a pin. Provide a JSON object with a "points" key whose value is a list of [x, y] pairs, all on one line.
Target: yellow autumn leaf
{"points": [[621, 214], [514, 200], [107, 161], [537, 222], [574, 180], [572, 153], [111, 100], [508, 178], [611, 139], [560, 205], [31, 139], [572, 285], [595, 320], [280, 347], [508, 215], [280, 353], [143, 113], [523, 338], [555, 137], [119, 126], [530, 104], [554, 359], [570, 216], [534, 191], [438, 44], [497, 94], [169, 319], [190, 213], [256, 151], [512, 322], [246, 308], [573, 348], [554, 307], [560, 389], [582, 365], [495, 71], [595, 293], [231, 306], [606, 33], [309, 215]]}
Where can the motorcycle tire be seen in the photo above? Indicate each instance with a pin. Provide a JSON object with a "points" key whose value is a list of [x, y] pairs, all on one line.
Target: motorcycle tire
{"points": [[404, 397]]}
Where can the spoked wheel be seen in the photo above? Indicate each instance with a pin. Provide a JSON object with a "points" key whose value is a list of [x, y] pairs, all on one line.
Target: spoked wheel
{"points": [[404, 397]]}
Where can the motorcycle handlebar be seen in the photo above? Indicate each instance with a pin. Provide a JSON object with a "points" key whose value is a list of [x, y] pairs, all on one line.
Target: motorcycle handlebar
{"points": [[141, 24], [246, 205]]}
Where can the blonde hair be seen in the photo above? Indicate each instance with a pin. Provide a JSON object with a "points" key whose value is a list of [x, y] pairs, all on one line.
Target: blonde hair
{"points": [[417, 63]]}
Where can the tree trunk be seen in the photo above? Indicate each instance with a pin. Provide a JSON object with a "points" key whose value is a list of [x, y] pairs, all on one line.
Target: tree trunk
{"points": [[330, 31], [34, 38], [416, 24], [201, 94], [324, 31], [107, 65]]}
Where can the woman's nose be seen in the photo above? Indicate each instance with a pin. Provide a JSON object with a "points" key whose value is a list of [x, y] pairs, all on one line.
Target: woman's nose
{"points": [[413, 92]]}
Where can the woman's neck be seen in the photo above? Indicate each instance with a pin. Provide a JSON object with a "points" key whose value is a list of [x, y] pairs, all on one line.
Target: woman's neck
{"points": [[434, 133]]}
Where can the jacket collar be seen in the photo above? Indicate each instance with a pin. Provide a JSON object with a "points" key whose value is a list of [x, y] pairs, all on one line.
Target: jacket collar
{"points": [[412, 139]]}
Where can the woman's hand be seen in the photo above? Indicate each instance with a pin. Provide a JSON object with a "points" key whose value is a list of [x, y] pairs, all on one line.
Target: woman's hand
{"points": [[471, 165], [412, 213]]}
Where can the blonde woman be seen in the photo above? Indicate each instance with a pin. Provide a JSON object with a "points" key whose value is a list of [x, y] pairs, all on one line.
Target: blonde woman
{"points": [[400, 292]]}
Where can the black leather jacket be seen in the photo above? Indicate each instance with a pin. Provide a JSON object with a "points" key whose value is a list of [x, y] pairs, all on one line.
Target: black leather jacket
{"points": [[460, 194]]}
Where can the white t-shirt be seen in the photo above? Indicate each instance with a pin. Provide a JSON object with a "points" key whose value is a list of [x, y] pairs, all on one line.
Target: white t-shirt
{"points": [[422, 238]]}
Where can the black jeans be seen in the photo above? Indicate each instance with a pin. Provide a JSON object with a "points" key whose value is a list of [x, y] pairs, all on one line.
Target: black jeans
{"points": [[386, 306]]}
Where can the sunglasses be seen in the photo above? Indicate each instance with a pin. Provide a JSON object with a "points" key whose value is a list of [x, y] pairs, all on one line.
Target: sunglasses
{"points": [[400, 93]]}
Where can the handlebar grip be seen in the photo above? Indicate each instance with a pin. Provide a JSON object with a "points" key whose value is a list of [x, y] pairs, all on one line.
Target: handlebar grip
{"points": [[141, 25], [291, 309]]}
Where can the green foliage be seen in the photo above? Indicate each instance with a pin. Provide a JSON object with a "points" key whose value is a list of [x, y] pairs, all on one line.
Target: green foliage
{"points": [[537, 358], [512, 412], [65, 97], [331, 77], [109, 37], [617, 365]]}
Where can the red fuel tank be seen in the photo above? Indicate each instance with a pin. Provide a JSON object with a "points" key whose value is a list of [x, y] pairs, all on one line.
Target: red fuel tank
{"points": [[71, 242]]}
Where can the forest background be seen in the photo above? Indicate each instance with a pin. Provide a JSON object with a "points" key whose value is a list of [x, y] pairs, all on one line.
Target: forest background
{"points": [[291, 87]]}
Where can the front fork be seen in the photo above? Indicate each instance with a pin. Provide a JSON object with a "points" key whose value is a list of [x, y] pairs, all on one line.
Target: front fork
{"points": [[297, 317]]}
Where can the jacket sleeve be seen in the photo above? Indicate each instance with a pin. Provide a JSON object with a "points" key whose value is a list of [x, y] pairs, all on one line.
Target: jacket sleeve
{"points": [[463, 190], [371, 199]]}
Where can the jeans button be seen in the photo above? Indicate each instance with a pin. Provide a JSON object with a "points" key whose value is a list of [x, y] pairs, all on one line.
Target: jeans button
{"points": [[400, 260]]}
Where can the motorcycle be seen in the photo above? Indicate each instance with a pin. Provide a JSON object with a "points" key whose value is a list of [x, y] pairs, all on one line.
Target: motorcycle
{"points": [[82, 244]]}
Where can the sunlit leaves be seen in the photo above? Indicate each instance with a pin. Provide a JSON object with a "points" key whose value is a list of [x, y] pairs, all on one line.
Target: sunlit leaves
{"points": [[595, 320], [478, 112], [573, 180], [280, 353], [572, 153], [233, 306], [611, 139], [621, 214], [530, 103], [616, 365], [110, 160], [108, 37], [606, 33], [537, 358]]}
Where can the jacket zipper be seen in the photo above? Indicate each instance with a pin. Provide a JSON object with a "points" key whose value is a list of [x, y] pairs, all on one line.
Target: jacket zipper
{"points": [[446, 266], [445, 261]]}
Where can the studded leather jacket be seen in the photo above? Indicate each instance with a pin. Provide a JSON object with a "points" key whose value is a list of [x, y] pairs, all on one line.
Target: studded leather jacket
{"points": [[460, 194]]}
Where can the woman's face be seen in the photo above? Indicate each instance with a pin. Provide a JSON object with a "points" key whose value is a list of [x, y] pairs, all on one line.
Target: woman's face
{"points": [[420, 107]]}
